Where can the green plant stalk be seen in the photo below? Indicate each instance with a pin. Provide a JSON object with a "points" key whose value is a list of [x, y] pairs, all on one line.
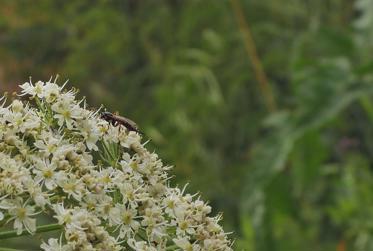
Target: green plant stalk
{"points": [[252, 52], [39, 104], [367, 106], [9, 249], [39, 229], [111, 154]]}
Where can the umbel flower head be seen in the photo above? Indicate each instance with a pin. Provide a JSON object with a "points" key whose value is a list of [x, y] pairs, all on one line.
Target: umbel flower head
{"points": [[97, 181]]}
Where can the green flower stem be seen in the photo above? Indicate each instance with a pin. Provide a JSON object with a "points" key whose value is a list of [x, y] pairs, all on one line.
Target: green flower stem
{"points": [[38, 103], [39, 229], [9, 249]]}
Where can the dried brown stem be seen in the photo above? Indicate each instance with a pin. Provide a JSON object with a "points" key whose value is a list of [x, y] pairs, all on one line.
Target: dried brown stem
{"points": [[251, 50]]}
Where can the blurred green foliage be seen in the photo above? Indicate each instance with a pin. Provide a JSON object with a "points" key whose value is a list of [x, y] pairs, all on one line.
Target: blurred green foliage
{"points": [[299, 178]]}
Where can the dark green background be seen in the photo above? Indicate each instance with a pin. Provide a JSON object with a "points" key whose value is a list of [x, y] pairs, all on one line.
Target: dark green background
{"points": [[295, 177]]}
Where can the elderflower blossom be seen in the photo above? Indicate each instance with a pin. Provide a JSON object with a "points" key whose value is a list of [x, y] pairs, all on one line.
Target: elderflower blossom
{"points": [[96, 180]]}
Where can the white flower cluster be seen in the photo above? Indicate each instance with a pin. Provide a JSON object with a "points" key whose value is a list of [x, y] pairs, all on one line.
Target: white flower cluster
{"points": [[97, 180]]}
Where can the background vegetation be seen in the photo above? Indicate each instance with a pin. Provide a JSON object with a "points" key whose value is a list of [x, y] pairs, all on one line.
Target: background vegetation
{"points": [[278, 137]]}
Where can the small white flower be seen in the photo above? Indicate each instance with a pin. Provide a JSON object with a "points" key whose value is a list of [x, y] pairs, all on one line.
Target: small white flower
{"points": [[51, 92], [45, 173], [66, 112], [125, 218], [91, 133], [55, 245], [62, 215], [185, 244], [20, 212], [48, 144], [71, 186], [29, 89]]}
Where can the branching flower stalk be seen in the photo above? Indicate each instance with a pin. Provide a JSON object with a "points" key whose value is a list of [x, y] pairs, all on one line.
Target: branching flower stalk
{"points": [[99, 183]]}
